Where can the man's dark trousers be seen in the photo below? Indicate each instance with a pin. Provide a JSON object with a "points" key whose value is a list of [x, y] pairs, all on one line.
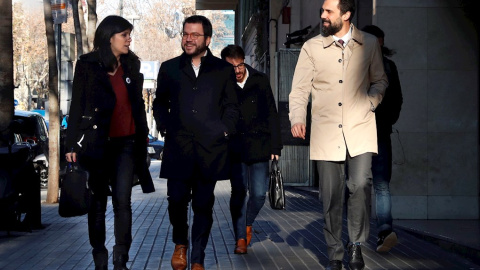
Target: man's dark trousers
{"points": [[201, 192], [357, 174]]}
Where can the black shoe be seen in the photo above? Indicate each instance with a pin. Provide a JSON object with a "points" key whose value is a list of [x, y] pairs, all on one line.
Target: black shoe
{"points": [[335, 265], [386, 241], [100, 258], [356, 259], [120, 261]]}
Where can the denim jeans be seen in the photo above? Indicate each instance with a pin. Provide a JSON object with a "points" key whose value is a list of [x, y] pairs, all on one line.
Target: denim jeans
{"points": [[254, 179], [382, 173], [118, 166]]}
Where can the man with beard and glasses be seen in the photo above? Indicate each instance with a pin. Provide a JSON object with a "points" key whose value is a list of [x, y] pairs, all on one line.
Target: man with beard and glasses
{"points": [[257, 141], [343, 71], [195, 110]]}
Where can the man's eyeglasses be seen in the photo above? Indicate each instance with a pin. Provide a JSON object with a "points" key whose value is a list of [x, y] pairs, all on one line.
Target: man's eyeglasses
{"points": [[239, 66], [193, 36]]}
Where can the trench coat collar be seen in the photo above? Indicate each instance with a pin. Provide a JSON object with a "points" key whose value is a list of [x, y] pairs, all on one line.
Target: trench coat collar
{"points": [[186, 63], [356, 37]]}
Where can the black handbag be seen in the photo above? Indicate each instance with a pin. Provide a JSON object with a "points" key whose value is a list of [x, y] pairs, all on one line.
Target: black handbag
{"points": [[75, 194], [276, 193]]}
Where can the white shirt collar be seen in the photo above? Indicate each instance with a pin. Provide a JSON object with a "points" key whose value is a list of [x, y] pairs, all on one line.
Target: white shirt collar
{"points": [[197, 69], [242, 84], [345, 38]]}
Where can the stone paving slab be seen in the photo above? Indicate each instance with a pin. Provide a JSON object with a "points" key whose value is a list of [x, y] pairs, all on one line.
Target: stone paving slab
{"points": [[283, 239]]}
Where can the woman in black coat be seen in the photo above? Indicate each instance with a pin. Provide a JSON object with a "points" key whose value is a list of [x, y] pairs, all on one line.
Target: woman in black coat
{"points": [[107, 134]]}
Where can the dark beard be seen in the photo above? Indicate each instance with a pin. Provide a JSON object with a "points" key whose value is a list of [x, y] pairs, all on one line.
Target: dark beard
{"points": [[199, 50], [332, 29]]}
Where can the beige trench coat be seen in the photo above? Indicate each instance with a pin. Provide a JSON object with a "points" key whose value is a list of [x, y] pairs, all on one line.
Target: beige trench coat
{"points": [[344, 84]]}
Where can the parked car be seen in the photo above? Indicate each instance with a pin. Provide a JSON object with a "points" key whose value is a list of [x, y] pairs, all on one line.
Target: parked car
{"points": [[157, 146], [42, 113], [35, 132]]}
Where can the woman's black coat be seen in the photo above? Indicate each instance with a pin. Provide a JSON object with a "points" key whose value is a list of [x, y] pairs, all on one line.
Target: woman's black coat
{"points": [[93, 101], [258, 130], [195, 112]]}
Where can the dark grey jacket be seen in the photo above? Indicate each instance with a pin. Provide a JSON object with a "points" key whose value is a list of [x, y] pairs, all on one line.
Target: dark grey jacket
{"points": [[258, 130], [195, 112]]}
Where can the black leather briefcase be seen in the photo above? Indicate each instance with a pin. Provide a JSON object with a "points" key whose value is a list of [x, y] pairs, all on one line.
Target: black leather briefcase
{"points": [[75, 194]]}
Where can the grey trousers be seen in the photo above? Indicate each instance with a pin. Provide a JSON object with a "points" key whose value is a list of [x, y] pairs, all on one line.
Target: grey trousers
{"points": [[357, 174]]}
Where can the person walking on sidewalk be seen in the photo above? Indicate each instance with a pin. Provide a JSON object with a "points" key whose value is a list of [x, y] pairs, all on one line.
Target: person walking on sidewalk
{"points": [[196, 111], [343, 71], [107, 134], [258, 139], [386, 116]]}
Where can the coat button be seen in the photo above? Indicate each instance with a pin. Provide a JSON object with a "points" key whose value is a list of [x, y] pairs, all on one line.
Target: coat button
{"points": [[195, 88], [340, 81], [339, 104], [340, 126], [194, 111], [94, 127], [339, 60]]}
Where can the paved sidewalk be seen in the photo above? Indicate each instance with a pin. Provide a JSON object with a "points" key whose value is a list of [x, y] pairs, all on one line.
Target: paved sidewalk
{"points": [[283, 239]]}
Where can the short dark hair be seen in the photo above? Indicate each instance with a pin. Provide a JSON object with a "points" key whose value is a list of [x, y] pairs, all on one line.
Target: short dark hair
{"points": [[207, 25], [110, 26], [374, 30], [378, 33], [233, 51], [345, 6]]}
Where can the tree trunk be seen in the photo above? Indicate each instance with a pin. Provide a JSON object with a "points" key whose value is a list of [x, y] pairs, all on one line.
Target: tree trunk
{"points": [[78, 27], [83, 28], [53, 108], [6, 68], [92, 22]]}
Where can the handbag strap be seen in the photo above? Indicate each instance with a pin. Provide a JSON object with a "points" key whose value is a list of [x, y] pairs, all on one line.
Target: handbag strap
{"points": [[275, 164]]}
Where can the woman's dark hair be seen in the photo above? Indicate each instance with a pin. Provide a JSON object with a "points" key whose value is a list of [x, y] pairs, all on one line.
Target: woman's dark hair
{"points": [[345, 6], [207, 25], [233, 51], [110, 26], [376, 31]]}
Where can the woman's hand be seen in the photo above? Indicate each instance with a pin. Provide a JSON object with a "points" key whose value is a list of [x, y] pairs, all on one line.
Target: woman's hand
{"points": [[71, 157]]}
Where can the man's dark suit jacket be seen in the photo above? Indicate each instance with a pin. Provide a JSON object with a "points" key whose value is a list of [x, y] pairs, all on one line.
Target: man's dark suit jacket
{"points": [[195, 113]]}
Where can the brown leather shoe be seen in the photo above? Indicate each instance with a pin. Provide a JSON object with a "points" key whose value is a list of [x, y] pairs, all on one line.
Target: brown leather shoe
{"points": [[249, 235], [197, 266], [179, 258], [241, 247]]}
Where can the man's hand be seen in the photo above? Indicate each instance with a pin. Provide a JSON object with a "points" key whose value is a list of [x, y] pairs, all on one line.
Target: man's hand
{"points": [[298, 131], [71, 157]]}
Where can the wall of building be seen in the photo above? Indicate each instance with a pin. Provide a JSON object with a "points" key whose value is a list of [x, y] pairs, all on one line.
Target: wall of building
{"points": [[436, 140], [435, 175]]}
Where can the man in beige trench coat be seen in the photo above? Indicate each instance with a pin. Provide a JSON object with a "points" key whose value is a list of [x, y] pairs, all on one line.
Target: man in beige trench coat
{"points": [[342, 70]]}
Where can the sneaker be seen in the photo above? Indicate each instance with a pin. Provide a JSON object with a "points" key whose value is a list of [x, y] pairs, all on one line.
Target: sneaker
{"points": [[386, 241]]}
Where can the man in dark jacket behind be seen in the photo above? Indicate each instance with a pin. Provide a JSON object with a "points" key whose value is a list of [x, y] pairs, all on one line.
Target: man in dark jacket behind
{"points": [[257, 140], [386, 115], [196, 110]]}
